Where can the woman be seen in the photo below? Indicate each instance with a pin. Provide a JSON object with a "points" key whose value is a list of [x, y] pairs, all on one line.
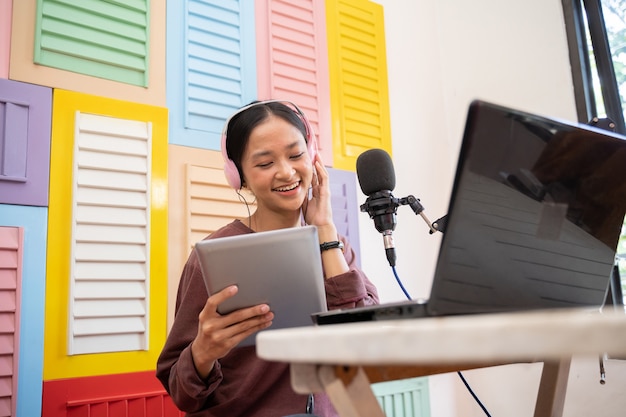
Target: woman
{"points": [[269, 150]]}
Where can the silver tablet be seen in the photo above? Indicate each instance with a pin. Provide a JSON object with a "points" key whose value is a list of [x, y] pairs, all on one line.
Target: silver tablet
{"points": [[282, 268]]}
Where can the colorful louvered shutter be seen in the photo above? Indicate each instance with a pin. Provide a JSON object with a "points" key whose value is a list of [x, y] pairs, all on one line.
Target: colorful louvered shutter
{"points": [[211, 202], [32, 222], [107, 236], [403, 398], [292, 61], [105, 39], [211, 67], [205, 203], [345, 206], [137, 394], [110, 266], [10, 285], [25, 114], [5, 37], [358, 79]]}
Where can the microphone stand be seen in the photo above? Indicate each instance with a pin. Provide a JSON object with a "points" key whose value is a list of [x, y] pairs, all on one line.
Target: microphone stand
{"points": [[382, 207], [418, 208], [440, 224]]}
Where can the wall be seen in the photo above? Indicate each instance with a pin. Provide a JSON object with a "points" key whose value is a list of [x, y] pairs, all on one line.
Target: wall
{"points": [[440, 56], [91, 133]]}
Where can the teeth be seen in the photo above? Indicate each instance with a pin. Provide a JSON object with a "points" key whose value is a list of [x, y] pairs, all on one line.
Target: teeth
{"points": [[288, 187]]}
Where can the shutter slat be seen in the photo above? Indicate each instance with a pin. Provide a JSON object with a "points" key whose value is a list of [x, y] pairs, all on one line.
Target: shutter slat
{"points": [[121, 198], [111, 271], [110, 343], [102, 252], [110, 308], [102, 290], [111, 180]]}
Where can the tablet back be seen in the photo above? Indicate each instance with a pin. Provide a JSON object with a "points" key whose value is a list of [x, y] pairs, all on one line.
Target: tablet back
{"points": [[282, 268]]}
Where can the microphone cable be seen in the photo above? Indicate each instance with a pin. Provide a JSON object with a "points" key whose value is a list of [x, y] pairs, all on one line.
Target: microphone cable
{"points": [[399, 281], [471, 391]]}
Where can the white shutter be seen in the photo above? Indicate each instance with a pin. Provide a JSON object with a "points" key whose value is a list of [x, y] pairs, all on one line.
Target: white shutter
{"points": [[110, 236]]}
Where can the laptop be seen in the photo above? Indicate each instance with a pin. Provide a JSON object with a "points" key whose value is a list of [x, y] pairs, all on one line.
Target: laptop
{"points": [[282, 268], [534, 219]]}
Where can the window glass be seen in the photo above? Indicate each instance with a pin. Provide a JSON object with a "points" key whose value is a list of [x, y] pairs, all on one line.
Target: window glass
{"points": [[614, 13]]}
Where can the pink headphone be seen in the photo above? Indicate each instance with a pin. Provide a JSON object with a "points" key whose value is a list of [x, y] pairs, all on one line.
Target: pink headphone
{"points": [[230, 169]]}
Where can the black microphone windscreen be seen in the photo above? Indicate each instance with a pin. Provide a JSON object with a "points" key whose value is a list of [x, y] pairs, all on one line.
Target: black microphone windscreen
{"points": [[374, 169]]}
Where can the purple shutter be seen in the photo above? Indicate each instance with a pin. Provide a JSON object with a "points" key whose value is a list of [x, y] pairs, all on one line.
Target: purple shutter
{"points": [[25, 118]]}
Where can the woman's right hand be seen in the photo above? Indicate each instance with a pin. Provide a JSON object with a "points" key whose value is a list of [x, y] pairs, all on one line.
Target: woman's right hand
{"points": [[218, 334]]}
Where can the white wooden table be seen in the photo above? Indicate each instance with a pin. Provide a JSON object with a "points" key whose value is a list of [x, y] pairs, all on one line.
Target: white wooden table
{"points": [[343, 359]]}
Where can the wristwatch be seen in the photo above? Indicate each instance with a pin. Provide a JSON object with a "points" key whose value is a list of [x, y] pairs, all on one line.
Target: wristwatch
{"points": [[336, 244]]}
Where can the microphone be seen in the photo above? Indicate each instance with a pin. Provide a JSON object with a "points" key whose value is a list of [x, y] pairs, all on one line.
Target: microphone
{"points": [[377, 180]]}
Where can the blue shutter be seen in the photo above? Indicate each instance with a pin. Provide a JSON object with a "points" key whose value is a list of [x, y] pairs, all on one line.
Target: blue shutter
{"points": [[211, 67]]}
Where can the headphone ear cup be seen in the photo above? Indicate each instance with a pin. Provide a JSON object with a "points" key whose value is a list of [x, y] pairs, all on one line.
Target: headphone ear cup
{"points": [[230, 169], [312, 147], [311, 142], [232, 174]]}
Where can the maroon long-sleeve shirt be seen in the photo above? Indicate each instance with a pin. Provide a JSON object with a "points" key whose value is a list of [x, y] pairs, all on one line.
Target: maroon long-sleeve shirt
{"points": [[241, 384]]}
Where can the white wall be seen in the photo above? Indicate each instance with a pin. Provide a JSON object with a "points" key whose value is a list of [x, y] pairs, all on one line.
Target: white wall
{"points": [[440, 56]]}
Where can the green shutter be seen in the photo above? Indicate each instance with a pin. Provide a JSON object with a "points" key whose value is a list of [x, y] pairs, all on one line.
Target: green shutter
{"points": [[403, 398], [105, 39]]}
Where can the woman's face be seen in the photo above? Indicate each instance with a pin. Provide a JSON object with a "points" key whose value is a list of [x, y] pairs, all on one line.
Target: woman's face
{"points": [[276, 166]]}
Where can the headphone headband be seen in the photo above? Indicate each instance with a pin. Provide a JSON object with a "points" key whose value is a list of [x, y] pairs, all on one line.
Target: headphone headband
{"points": [[230, 169]]}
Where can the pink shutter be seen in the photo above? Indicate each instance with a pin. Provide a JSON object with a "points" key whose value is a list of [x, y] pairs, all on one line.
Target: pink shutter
{"points": [[292, 61], [10, 282], [6, 8]]}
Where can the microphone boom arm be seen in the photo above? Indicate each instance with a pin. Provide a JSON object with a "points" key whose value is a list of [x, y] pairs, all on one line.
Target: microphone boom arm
{"points": [[417, 208]]}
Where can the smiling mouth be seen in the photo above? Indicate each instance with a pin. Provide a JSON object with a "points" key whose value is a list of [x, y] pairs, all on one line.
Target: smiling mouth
{"points": [[288, 187]]}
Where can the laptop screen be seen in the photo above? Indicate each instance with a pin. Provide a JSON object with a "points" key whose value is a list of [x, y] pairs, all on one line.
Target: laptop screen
{"points": [[535, 215]]}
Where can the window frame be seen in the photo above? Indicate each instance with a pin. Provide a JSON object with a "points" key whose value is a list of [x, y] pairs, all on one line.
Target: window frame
{"points": [[574, 13], [582, 16]]}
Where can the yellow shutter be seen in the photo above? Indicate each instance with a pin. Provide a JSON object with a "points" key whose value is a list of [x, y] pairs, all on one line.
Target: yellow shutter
{"points": [[358, 79], [107, 237]]}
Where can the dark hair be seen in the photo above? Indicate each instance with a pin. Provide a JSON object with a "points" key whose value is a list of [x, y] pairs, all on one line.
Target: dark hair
{"points": [[241, 125]]}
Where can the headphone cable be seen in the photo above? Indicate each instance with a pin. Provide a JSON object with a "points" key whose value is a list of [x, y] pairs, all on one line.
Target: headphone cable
{"points": [[471, 391]]}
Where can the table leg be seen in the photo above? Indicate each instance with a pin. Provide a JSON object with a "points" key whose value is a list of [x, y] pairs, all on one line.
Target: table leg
{"points": [[551, 395], [353, 398]]}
